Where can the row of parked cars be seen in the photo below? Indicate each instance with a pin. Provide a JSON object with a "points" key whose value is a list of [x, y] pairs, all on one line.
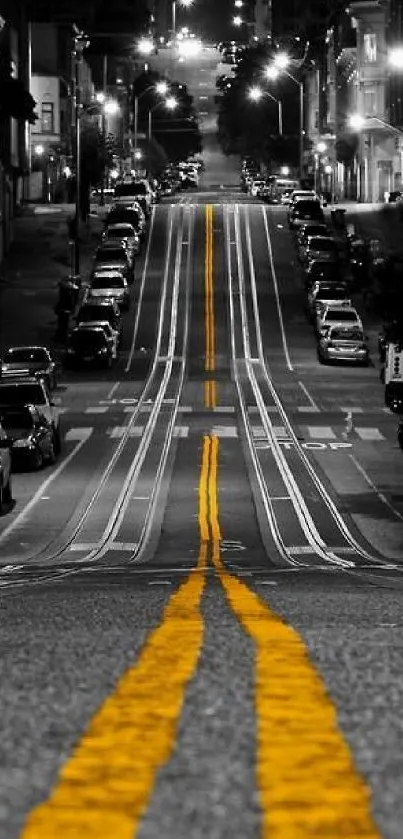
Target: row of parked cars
{"points": [[337, 324]]}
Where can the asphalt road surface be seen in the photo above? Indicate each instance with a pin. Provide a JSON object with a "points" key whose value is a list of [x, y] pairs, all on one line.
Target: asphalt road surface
{"points": [[201, 602]]}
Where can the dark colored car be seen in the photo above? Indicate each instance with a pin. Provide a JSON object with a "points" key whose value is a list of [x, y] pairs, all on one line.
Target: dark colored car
{"points": [[391, 333], [330, 272], [88, 347], [31, 434], [305, 212], [133, 215], [32, 359], [101, 310], [113, 255]]}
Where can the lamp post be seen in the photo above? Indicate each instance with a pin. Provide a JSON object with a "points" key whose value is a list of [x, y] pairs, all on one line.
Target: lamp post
{"points": [[161, 88], [170, 103], [81, 42], [256, 93], [185, 3], [273, 72]]}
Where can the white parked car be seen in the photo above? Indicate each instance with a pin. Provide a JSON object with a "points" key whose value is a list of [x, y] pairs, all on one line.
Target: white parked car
{"points": [[123, 232], [336, 315], [256, 186]]}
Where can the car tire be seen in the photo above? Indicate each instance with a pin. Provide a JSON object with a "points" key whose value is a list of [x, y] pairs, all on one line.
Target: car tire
{"points": [[38, 462], [57, 440], [52, 454], [7, 492], [321, 359]]}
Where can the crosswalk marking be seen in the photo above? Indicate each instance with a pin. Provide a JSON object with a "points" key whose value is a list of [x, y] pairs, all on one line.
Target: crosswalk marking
{"points": [[119, 431], [354, 410], [224, 431], [321, 432], [369, 433], [96, 409]]}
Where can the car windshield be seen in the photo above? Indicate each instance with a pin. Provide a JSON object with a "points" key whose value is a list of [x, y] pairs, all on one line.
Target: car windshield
{"points": [[21, 393], [335, 293], [14, 419], [107, 254], [107, 282], [131, 215], [120, 230], [341, 315], [328, 272], [95, 313], [316, 243], [88, 338], [24, 354], [308, 209], [130, 189], [353, 334]]}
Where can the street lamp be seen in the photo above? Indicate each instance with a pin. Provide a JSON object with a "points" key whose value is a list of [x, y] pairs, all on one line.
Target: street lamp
{"points": [[256, 93], [186, 4], [161, 88], [396, 58], [170, 103], [273, 72], [145, 46], [237, 20], [81, 42]]}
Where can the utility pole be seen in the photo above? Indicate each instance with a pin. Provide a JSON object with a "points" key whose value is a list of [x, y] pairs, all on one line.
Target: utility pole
{"points": [[103, 126], [81, 42]]}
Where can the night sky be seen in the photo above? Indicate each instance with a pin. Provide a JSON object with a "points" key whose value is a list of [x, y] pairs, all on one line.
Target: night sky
{"points": [[209, 18]]}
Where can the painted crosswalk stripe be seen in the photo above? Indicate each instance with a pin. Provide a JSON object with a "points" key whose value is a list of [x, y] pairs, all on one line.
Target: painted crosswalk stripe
{"points": [[369, 433], [321, 432], [97, 409], [229, 431]]}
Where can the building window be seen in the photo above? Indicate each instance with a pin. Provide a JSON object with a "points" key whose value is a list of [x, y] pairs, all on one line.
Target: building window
{"points": [[47, 120], [370, 47], [370, 102]]}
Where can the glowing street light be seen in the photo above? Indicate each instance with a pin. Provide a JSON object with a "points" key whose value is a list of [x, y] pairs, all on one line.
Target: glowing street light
{"points": [[321, 147], [275, 70], [111, 108], [114, 173], [237, 20], [395, 58], [256, 93], [39, 149], [356, 121], [186, 4], [145, 46], [281, 60], [171, 103], [100, 97], [161, 88], [272, 72], [238, 4], [285, 170]]}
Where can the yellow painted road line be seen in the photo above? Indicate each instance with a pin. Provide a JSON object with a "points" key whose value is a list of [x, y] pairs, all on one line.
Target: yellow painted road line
{"points": [[203, 516], [308, 782], [105, 787], [209, 313]]}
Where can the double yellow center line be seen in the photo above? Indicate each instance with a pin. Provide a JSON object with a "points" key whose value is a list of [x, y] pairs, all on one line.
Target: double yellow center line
{"points": [[210, 385], [306, 777]]}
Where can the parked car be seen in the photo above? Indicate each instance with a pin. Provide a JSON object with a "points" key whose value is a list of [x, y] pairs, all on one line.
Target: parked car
{"points": [[133, 214], [109, 284], [343, 343], [31, 359], [135, 190], [6, 495], [391, 333], [322, 248], [33, 390], [305, 212], [327, 294], [111, 334], [31, 435], [304, 195], [123, 233], [101, 310], [336, 315], [88, 346], [112, 255], [323, 271], [311, 230], [256, 186]]}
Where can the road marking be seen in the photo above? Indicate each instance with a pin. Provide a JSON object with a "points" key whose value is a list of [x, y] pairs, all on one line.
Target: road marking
{"points": [[111, 773], [313, 407], [321, 432], [113, 390], [355, 410], [81, 435], [370, 483], [210, 387], [97, 409], [305, 770], [228, 431], [369, 433]]}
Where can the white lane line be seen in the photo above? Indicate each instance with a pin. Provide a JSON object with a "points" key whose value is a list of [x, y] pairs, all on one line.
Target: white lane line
{"points": [[79, 434], [312, 403], [276, 292], [113, 390], [355, 410], [141, 291], [321, 432], [369, 433], [370, 483], [229, 431], [97, 409]]}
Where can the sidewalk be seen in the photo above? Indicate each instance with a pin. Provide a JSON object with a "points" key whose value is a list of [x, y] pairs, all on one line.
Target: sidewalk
{"points": [[38, 259]]}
